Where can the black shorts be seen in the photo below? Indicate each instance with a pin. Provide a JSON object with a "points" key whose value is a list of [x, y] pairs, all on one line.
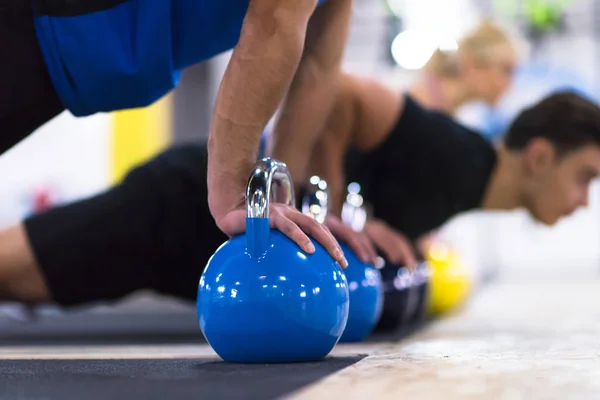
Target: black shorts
{"points": [[27, 96], [153, 231]]}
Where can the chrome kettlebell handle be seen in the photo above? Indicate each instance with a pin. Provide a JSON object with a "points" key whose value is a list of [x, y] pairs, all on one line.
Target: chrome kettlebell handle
{"points": [[267, 172], [315, 202], [353, 210]]}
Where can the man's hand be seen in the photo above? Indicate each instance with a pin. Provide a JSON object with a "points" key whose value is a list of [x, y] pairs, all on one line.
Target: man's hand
{"points": [[395, 246], [291, 223], [358, 241]]}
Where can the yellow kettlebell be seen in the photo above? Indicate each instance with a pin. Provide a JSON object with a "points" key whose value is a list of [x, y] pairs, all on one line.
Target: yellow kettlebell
{"points": [[450, 281]]}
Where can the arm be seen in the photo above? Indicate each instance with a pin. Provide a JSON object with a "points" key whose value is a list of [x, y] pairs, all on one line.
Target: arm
{"points": [[259, 73], [328, 155], [363, 114], [313, 90], [327, 161]]}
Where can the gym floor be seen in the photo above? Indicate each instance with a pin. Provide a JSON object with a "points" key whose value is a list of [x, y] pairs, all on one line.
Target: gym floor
{"points": [[511, 341]]}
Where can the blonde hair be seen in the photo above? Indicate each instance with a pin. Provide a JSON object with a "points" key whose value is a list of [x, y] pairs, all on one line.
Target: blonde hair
{"points": [[480, 43]]}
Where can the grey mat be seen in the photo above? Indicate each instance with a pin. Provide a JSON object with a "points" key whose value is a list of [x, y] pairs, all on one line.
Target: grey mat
{"points": [[158, 379], [111, 328]]}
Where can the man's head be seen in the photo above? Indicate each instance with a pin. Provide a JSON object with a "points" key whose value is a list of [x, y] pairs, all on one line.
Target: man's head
{"points": [[557, 145]]}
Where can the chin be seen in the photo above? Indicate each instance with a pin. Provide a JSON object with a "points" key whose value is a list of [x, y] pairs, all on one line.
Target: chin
{"points": [[545, 220], [492, 102]]}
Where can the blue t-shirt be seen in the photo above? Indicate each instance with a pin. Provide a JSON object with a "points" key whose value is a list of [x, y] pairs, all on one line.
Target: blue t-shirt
{"points": [[106, 55]]}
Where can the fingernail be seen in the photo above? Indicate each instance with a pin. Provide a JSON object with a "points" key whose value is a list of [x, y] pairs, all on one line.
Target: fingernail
{"points": [[338, 254], [310, 247], [344, 263]]}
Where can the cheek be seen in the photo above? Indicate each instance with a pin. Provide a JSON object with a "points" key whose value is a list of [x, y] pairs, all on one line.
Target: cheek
{"points": [[568, 194], [501, 81], [479, 77], [492, 85], [551, 194]]}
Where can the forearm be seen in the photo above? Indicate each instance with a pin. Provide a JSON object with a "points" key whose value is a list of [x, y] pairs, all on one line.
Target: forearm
{"points": [[301, 120], [259, 73], [314, 89], [326, 161]]}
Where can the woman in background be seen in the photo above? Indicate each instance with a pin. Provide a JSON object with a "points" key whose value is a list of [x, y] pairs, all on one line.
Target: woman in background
{"points": [[480, 69]]}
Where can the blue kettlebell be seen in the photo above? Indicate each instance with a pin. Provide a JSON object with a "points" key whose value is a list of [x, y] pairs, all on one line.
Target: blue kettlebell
{"points": [[261, 299], [364, 281]]}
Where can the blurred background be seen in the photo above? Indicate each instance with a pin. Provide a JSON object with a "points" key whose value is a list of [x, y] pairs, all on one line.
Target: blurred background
{"points": [[392, 40]]}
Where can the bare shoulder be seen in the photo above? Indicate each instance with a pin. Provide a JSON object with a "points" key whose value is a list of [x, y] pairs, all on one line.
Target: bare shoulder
{"points": [[378, 106]]}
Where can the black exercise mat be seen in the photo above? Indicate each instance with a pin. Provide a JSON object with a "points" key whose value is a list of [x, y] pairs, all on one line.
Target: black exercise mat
{"points": [[161, 379]]}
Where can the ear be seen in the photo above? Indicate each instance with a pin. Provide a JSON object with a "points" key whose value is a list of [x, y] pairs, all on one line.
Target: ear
{"points": [[539, 156]]}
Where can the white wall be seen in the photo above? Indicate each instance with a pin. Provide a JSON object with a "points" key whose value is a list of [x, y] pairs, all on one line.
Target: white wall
{"points": [[69, 156]]}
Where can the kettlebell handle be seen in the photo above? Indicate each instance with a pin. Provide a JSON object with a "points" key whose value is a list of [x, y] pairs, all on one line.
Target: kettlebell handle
{"points": [[267, 172], [315, 202], [354, 213]]}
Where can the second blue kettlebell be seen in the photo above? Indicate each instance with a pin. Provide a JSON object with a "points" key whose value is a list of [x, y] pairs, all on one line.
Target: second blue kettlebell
{"points": [[364, 281]]}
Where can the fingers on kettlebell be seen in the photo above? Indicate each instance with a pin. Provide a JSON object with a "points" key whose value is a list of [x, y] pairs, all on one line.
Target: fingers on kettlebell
{"points": [[367, 252], [407, 254], [290, 229], [387, 247], [370, 249], [323, 235], [393, 250], [357, 244]]}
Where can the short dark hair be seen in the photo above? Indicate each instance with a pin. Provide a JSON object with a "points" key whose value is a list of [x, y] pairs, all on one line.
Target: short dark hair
{"points": [[564, 118]]}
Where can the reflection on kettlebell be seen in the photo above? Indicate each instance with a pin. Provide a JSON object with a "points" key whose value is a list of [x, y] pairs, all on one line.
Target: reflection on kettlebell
{"points": [[406, 295], [364, 281], [398, 297], [263, 300], [420, 292]]}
